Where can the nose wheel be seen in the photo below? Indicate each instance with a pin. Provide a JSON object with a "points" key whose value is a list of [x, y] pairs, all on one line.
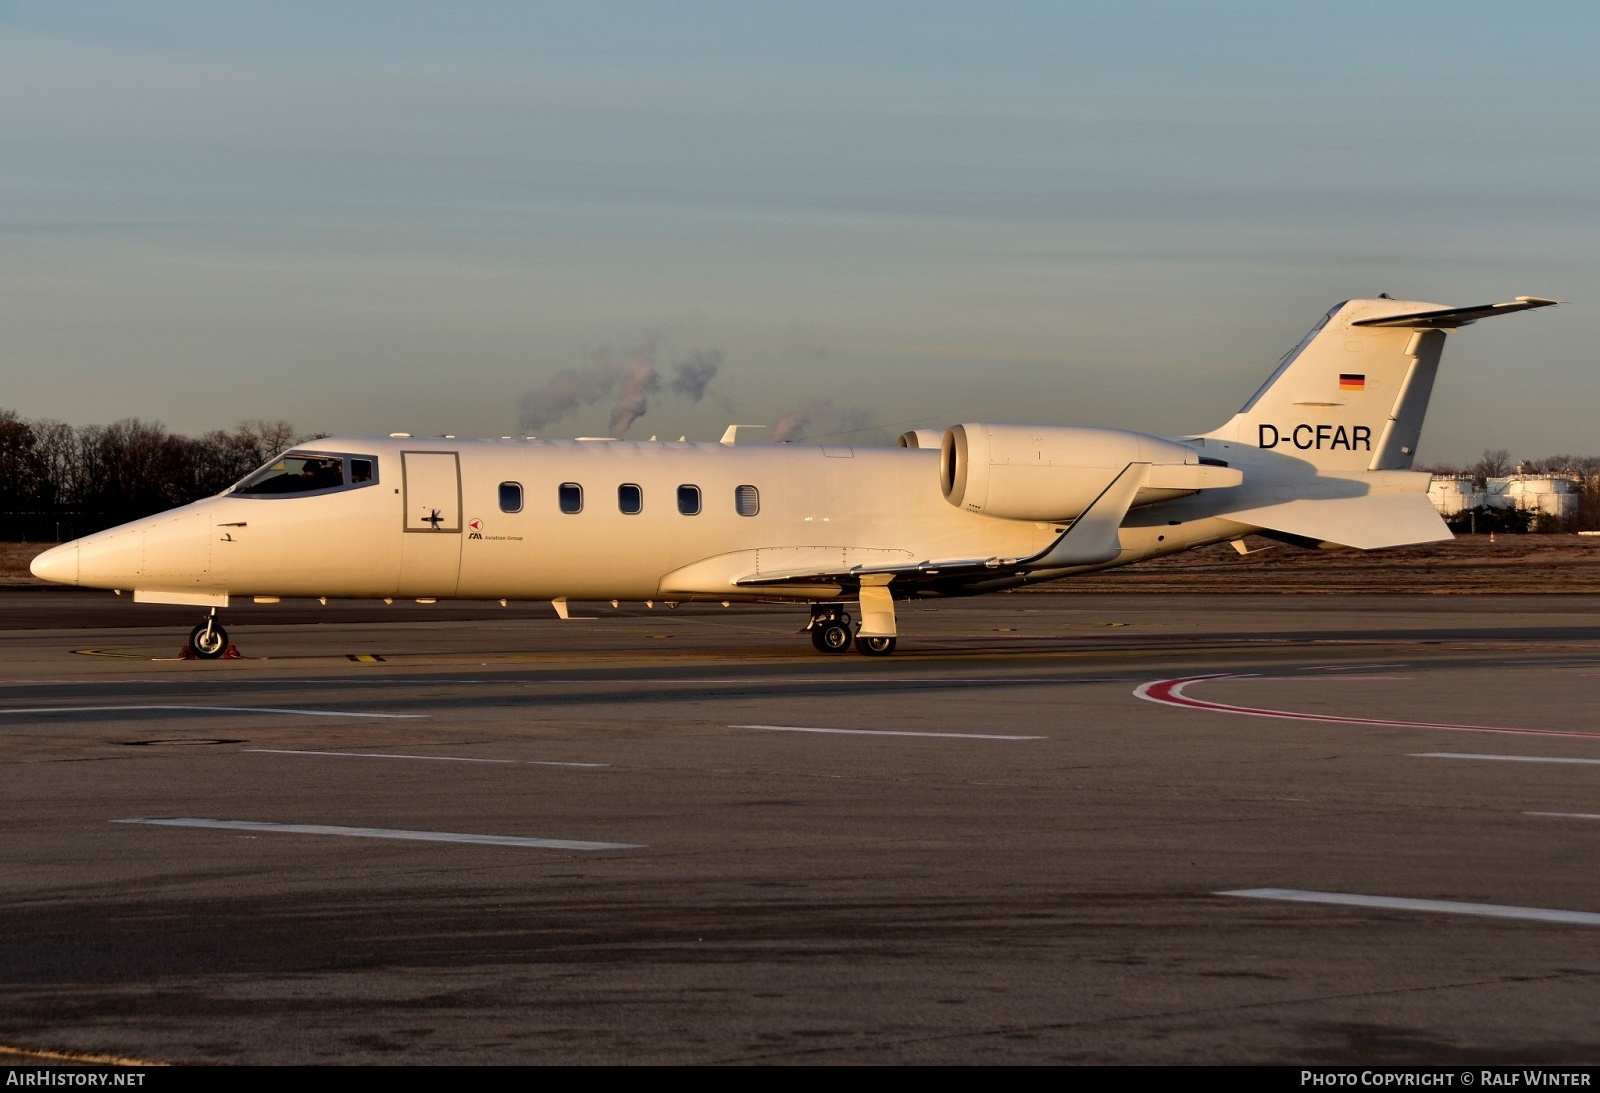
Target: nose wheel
{"points": [[209, 640]]}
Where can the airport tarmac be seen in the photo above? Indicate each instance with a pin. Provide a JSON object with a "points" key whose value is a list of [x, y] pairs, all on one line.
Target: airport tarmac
{"points": [[1052, 828]]}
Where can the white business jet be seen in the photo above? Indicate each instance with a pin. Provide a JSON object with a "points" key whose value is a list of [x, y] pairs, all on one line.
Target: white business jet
{"points": [[1320, 455]]}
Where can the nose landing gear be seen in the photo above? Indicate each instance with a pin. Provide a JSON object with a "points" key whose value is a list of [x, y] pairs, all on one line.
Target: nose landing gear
{"points": [[209, 641]]}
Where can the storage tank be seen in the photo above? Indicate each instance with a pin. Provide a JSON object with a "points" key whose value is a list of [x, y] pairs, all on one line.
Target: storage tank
{"points": [[1551, 494], [1494, 495], [1454, 494]]}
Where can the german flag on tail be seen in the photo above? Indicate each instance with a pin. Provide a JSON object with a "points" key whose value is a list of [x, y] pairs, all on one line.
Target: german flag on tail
{"points": [[1350, 381]]}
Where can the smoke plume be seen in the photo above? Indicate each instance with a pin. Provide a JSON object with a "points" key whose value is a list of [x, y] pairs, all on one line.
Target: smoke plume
{"points": [[639, 380], [696, 373], [819, 417], [568, 390], [629, 388]]}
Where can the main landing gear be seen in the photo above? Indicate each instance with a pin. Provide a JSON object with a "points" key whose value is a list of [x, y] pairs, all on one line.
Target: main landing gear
{"points": [[209, 641], [833, 631], [830, 630], [875, 647]]}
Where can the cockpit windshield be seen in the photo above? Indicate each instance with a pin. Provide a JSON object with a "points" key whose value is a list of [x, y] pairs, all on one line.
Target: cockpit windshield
{"points": [[309, 472]]}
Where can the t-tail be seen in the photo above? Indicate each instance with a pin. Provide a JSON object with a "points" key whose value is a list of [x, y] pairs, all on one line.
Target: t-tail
{"points": [[1334, 430]]}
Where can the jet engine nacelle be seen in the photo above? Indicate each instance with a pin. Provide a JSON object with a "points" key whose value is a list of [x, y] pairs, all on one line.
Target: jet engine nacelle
{"points": [[919, 438], [1052, 473]]}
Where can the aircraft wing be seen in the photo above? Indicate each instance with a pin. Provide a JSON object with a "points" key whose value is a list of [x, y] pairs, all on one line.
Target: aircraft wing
{"points": [[1091, 539], [829, 572], [930, 572]]}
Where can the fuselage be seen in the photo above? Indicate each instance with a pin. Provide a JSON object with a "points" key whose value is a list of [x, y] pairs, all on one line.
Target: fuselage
{"points": [[1321, 454], [579, 519]]}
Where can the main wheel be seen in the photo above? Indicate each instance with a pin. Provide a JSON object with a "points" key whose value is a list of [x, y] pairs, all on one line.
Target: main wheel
{"points": [[831, 637], [208, 640], [874, 647]]}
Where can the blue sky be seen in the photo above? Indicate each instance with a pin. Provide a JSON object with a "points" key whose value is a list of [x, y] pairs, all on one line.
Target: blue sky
{"points": [[369, 217]]}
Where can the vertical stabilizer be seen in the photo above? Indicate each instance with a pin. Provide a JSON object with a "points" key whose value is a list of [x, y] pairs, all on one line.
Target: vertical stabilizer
{"points": [[1352, 395]]}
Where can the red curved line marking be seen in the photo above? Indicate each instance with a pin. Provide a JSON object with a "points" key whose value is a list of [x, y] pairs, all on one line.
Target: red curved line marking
{"points": [[1169, 692]]}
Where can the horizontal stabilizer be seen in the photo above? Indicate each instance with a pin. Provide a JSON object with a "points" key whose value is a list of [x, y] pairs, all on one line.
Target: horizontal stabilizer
{"points": [[1449, 318], [1366, 523]]}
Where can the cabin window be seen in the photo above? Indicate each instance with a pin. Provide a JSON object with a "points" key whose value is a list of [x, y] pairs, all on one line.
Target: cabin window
{"points": [[511, 497], [747, 500], [571, 495], [309, 472], [630, 499], [689, 500]]}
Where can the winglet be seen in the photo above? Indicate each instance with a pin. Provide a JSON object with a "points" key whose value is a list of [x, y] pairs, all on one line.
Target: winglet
{"points": [[1093, 537]]}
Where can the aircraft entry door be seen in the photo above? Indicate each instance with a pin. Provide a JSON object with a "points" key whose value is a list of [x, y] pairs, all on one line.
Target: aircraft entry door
{"points": [[430, 545]]}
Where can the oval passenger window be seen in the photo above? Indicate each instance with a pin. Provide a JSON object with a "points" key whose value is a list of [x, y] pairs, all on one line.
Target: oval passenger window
{"points": [[747, 500]]}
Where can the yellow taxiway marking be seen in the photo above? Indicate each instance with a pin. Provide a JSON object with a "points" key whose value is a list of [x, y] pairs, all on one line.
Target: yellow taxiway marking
{"points": [[77, 1057]]}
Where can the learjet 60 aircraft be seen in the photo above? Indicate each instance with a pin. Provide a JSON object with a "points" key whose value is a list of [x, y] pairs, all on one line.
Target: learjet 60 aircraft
{"points": [[1320, 455]]}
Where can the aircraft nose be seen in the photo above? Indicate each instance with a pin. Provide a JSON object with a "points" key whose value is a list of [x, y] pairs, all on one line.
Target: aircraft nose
{"points": [[58, 564]]}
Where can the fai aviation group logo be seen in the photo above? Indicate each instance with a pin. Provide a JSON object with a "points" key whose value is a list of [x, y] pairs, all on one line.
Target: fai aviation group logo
{"points": [[475, 531]]}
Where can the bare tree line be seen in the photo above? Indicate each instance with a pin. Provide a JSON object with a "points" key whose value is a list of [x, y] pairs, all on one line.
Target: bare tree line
{"points": [[1497, 463], [57, 481]]}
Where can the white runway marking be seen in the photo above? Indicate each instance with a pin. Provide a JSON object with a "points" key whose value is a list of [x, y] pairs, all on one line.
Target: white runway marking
{"points": [[889, 732], [215, 709], [434, 758], [1324, 678], [1501, 758], [379, 833], [1438, 906], [1350, 667], [1566, 815], [1169, 692]]}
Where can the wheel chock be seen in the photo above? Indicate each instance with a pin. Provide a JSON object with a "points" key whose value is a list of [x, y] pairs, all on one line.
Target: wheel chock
{"points": [[188, 653], [231, 653]]}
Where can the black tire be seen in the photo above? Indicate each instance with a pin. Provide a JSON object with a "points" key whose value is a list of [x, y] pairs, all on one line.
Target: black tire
{"points": [[874, 647], [831, 637], [208, 641]]}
